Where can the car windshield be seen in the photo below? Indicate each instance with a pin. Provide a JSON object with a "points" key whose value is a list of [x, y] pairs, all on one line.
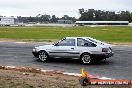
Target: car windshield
{"points": [[66, 42]]}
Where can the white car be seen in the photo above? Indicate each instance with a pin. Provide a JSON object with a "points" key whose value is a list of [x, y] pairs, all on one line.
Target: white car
{"points": [[84, 48]]}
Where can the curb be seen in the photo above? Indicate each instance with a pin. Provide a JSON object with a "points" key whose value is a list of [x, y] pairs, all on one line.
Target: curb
{"points": [[34, 70]]}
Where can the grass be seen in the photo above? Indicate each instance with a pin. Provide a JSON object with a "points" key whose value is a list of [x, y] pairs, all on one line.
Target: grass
{"points": [[107, 33]]}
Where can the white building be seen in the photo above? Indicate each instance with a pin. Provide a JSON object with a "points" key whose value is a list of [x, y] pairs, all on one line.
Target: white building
{"points": [[65, 21], [7, 21], [102, 23]]}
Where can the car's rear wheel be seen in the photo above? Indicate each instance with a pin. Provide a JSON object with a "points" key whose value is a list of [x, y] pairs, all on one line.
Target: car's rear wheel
{"points": [[86, 59], [43, 56]]}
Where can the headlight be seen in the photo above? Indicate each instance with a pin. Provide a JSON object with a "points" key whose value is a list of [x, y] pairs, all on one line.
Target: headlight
{"points": [[35, 50]]}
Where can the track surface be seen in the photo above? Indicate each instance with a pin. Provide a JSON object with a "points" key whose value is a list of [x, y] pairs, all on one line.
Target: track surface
{"points": [[20, 54]]}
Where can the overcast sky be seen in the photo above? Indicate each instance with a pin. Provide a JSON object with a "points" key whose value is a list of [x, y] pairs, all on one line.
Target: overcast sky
{"points": [[59, 7]]}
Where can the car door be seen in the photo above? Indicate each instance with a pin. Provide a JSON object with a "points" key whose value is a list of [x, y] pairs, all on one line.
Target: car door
{"points": [[65, 48]]}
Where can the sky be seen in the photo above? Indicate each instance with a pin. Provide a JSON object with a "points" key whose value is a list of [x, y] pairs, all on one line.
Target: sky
{"points": [[59, 7]]}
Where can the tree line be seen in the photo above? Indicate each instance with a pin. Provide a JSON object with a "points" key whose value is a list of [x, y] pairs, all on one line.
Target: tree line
{"points": [[45, 19], [100, 15], [85, 15]]}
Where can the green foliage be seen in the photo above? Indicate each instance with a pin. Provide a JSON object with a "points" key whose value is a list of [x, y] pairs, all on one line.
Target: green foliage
{"points": [[99, 15], [45, 18], [109, 33]]}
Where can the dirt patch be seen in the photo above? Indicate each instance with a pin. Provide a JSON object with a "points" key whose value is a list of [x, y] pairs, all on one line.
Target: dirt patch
{"points": [[7, 40], [18, 79], [122, 43], [27, 40]]}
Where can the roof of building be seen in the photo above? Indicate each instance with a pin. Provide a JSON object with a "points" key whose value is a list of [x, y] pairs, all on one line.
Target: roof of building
{"points": [[101, 22], [7, 17]]}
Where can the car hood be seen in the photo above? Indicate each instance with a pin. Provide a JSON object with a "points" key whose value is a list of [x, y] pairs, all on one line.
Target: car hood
{"points": [[45, 47]]}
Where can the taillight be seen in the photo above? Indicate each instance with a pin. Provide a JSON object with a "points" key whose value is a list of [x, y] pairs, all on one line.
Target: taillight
{"points": [[105, 49]]}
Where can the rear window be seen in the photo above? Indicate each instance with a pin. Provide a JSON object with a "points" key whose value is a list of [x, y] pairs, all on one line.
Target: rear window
{"points": [[92, 40]]}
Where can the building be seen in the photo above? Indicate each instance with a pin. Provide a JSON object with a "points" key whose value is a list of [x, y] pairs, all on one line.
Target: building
{"points": [[65, 21], [7, 21], [81, 23]]}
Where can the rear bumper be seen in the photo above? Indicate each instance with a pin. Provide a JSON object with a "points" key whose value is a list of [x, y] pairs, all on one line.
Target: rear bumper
{"points": [[105, 55], [110, 54]]}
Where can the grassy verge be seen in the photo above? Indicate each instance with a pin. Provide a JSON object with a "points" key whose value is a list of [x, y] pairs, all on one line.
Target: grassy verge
{"points": [[107, 33]]}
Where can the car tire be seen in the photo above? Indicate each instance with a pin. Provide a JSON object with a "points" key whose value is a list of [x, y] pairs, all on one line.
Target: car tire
{"points": [[43, 56], [86, 59]]}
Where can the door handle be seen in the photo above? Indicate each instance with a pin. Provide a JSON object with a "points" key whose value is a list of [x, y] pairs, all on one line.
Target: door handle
{"points": [[72, 48]]}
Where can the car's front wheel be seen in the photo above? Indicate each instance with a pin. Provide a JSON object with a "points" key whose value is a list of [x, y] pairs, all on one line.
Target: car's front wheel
{"points": [[86, 59], [43, 56]]}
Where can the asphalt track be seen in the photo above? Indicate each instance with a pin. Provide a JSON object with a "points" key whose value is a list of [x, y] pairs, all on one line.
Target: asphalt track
{"points": [[20, 54]]}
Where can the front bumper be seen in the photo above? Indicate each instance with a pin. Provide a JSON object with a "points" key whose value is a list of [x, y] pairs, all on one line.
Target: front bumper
{"points": [[35, 53]]}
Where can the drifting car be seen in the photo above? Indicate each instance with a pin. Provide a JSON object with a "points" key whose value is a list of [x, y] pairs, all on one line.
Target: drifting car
{"points": [[86, 49]]}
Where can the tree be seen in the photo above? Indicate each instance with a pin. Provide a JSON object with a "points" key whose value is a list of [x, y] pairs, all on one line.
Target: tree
{"points": [[81, 11], [45, 18], [66, 17], [98, 15], [54, 19]]}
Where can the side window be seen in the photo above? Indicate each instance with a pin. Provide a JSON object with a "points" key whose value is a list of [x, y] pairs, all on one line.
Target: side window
{"points": [[84, 43], [67, 42]]}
